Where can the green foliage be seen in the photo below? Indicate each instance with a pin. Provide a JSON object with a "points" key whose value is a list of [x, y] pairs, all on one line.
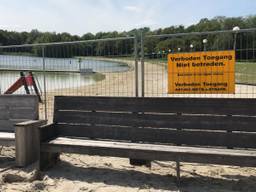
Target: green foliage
{"points": [[152, 45]]}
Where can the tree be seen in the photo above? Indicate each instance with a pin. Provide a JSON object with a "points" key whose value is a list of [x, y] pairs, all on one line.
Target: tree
{"points": [[151, 45]]}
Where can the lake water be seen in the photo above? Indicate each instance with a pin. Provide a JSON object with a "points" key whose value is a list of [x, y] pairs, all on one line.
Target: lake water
{"points": [[56, 64], [69, 77]]}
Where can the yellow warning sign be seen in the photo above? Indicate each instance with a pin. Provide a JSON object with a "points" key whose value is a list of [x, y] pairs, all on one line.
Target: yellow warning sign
{"points": [[201, 72]]}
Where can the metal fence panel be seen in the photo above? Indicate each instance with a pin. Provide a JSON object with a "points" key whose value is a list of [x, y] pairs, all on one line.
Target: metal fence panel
{"points": [[157, 48], [104, 67], [127, 66]]}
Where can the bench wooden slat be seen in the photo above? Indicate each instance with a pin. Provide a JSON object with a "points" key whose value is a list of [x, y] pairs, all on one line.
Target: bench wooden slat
{"points": [[224, 106], [7, 139], [19, 113], [4, 114], [229, 123], [150, 135], [6, 125], [9, 125], [17, 108], [25, 113], [151, 152], [18, 100], [7, 136]]}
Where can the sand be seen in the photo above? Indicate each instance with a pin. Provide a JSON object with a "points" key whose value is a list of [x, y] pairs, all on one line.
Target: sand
{"points": [[106, 174], [123, 84]]}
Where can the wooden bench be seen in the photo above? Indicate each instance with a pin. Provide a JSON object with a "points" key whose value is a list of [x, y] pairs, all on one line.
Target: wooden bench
{"points": [[197, 130], [20, 111]]}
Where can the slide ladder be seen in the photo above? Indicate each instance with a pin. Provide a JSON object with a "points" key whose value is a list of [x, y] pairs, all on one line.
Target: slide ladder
{"points": [[29, 84]]}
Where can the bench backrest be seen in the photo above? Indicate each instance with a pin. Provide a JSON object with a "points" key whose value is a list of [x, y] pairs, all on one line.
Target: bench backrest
{"points": [[184, 121], [16, 109]]}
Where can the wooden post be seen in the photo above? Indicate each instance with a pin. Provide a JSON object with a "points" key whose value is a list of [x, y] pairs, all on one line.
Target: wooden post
{"points": [[178, 172], [22, 75], [178, 161], [35, 87], [27, 142], [229, 132], [47, 159], [140, 162]]}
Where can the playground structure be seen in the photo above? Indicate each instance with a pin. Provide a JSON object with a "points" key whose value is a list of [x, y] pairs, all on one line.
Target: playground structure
{"points": [[28, 82]]}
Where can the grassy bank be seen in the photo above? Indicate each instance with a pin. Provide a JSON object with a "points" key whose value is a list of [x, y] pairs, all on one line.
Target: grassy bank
{"points": [[246, 73]]}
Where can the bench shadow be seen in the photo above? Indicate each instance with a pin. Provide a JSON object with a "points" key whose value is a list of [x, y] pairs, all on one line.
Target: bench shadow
{"points": [[142, 180], [111, 176], [6, 161]]}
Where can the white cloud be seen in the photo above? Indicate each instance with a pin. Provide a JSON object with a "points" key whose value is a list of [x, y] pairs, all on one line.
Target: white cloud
{"points": [[82, 16], [133, 9]]}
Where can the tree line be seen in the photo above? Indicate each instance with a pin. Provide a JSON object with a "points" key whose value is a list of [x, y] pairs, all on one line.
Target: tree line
{"points": [[153, 47]]}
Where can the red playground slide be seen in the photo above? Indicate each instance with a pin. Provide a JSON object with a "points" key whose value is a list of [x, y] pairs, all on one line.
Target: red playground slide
{"points": [[27, 81]]}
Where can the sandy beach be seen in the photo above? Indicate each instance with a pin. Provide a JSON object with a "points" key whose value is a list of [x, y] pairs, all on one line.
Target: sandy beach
{"points": [[106, 174], [123, 84]]}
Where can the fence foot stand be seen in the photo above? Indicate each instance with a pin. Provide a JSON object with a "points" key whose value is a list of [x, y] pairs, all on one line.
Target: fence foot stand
{"points": [[178, 173]]}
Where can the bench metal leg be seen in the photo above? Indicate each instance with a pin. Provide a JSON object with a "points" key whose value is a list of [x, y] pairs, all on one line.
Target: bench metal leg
{"points": [[178, 172], [1, 149], [140, 162], [48, 160]]}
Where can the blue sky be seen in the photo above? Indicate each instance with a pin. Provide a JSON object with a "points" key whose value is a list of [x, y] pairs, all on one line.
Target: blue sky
{"points": [[82, 16]]}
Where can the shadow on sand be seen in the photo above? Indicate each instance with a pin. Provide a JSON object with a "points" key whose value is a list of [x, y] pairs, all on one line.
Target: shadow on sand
{"points": [[6, 161], [138, 179]]}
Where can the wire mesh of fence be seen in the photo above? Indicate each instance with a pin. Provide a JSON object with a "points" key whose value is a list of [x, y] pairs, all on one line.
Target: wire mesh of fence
{"points": [[104, 67], [127, 66], [158, 47]]}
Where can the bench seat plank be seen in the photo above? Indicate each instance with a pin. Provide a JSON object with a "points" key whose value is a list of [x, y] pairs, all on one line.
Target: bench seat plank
{"points": [[7, 136], [7, 139], [151, 151]]}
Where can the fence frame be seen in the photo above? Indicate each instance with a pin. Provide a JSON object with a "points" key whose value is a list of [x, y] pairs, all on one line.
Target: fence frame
{"points": [[144, 37], [44, 46], [138, 53]]}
